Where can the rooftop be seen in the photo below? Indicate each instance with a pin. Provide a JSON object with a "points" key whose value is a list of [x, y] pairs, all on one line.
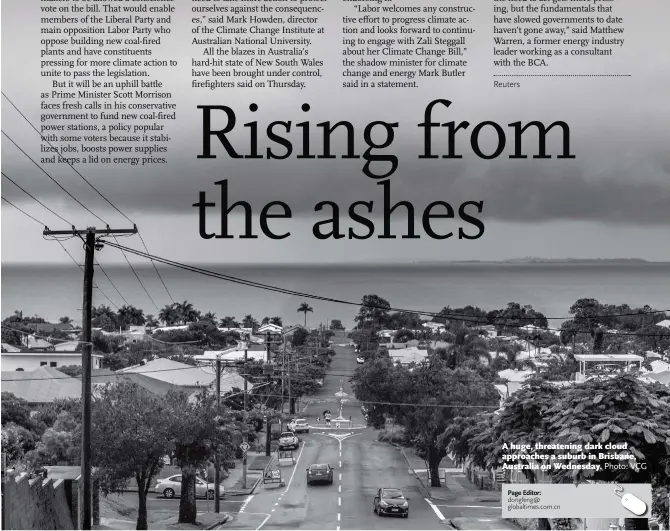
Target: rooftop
{"points": [[40, 386], [608, 357], [174, 372]]}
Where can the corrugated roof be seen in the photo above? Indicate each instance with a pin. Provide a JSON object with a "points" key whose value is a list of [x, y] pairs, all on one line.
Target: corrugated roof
{"points": [[174, 372], [41, 386], [153, 385], [608, 357]]}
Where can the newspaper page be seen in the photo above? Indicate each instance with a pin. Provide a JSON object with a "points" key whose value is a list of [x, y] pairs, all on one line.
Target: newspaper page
{"points": [[306, 264]]}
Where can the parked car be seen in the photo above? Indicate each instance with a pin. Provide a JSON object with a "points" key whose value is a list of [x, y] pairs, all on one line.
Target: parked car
{"points": [[391, 501], [298, 426], [171, 487], [288, 441], [360, 360], [320, 473]]}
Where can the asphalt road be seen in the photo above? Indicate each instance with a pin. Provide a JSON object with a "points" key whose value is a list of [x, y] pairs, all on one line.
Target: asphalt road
{"points": [[361, 466]]}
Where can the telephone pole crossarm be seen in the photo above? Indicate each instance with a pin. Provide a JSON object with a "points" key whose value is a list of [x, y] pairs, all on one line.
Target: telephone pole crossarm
{"points": [[80, 232]]}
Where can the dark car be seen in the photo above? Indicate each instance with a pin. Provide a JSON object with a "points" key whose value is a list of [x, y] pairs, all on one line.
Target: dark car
{"points": [[320, 474], [391, 501]]}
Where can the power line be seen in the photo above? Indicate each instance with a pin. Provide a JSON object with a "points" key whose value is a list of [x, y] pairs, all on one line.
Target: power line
{"points": [[64, 249], [66, 221], [267, 287], [89, 183], [85, 208], [34, 198]]}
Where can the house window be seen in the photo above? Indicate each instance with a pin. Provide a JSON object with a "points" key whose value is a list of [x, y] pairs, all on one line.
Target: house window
{"points": [[53, 364], [43, 363]]}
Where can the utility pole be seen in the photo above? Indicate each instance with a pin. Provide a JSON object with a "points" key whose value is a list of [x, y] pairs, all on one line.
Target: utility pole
{"points": [[244, 455], [290, 402], [217, 463], [283, 372], [90, 246]]}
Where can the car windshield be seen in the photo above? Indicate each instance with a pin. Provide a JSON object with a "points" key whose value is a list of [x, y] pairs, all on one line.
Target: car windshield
{"points": [[287, 434], [392, 493], [318, 467], [300, 421]]}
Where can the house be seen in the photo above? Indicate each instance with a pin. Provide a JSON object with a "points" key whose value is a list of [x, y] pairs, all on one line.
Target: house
{"points": [[434, 327], [271, 329], [41, 386], [103, 377], [490, 330], [50, 328], [661, 377], [664, 324], [515, 375], [233, 355], [406, 356], [68, 346], [184, 376], [29, 360], [32, 342], [230, 380], [607, 362]]}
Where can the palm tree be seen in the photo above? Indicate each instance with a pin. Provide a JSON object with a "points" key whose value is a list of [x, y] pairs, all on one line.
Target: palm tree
{"points": [[277, 321], [151, 321], [211, 317], [265, 320], [304, 308], [169, 314], [65, 320], [249, 322], [229, 322]]}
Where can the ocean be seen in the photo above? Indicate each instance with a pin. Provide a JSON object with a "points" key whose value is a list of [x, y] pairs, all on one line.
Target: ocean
{"points": [[53, 291]]}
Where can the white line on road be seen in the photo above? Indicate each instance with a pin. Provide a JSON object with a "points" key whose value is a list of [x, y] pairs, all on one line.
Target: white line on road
{"points": [[245, 503], [288, 485], [437, 511], [339, 488], [272, 511], [340, 477], [263, 522], [276, 504], [337, 528], [340, 464], [338, 517], [339, 502]]}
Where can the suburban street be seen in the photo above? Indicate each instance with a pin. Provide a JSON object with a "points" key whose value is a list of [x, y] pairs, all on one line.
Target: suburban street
{"points": [[361, 466]]}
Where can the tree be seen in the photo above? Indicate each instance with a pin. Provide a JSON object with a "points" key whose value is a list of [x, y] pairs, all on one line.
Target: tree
{"points": [[437, 394], [139, 443], [71, 370], [304, 308], [336, 324], [373, 312], [198, 430], [65, 320], [265, 321], [299, 337], [15, 410], [617, 411], [277, 321], [104, 317], [61, 443], [229, 322], [129, 315], [187, 312], [152, 322], [169, 314], [249, 322]]}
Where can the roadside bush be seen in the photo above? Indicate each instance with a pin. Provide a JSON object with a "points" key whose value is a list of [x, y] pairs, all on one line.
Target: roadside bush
{"points": [[392, 437]]}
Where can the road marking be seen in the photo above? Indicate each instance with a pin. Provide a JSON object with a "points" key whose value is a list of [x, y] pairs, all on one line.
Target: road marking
{"points": [[339, 488], [339, 502], [288, 486], [245, 503], [276, 504], [263, 522], [272, 511], [338, 517], [337, 528], [471, 506], [437, 511], [485, 519], [340, 464], [340, 477]]}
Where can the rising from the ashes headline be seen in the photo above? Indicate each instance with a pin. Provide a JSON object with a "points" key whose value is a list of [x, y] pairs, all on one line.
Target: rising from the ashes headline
{"points": [[379, 165]]}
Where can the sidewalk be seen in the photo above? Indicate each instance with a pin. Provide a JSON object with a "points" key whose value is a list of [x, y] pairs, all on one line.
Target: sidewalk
{"points": [[204, 521], [234, 484]]}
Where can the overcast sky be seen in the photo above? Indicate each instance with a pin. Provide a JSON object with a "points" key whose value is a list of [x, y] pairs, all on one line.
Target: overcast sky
{"points": [[611, 201]]}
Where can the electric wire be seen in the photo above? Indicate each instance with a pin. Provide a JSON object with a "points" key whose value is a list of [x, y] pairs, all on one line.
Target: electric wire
{"points": [[90, 184]]}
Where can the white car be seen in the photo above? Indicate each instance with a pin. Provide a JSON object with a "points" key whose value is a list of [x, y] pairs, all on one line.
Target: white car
{"points": [[288, 441], [171, 487], [298, 426], [360, 360]]}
